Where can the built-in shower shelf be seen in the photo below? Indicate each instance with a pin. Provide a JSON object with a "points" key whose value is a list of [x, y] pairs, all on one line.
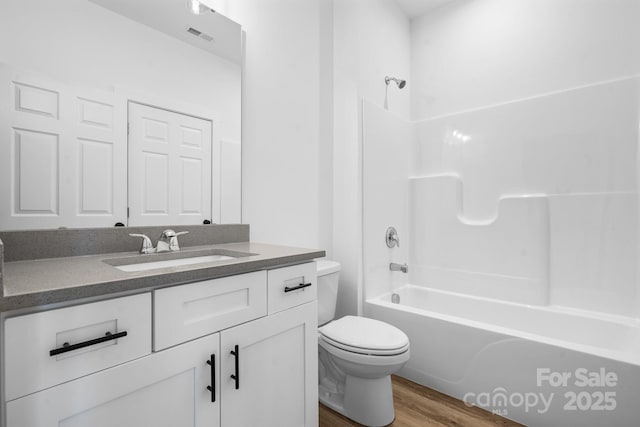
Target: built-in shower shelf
{"points": [[456, 182], [505, 255]]}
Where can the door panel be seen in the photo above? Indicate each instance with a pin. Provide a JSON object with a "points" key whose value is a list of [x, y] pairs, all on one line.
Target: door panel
{"points": [[36, 172], [155, 171], [169, 167], [95, 177]]}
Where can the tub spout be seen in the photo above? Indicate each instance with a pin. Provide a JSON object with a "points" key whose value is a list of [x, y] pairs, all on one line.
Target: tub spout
{"points": [[399, 267]]}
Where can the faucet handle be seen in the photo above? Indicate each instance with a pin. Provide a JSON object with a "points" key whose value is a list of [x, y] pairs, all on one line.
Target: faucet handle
{"points": [[392, 238], [173, 241], [167, 234], [147, 246]]}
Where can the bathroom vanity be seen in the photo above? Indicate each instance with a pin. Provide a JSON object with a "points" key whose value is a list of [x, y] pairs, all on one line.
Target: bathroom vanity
{"points": [[224, 342]]}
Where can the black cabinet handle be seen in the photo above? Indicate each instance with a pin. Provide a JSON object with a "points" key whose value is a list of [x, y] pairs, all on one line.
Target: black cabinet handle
{"points": [[66, 347], [212, 387], [295, 288], [236, 377]]}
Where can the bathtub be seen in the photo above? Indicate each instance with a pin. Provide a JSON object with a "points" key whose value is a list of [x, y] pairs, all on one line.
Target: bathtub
{"points": [[538, 365]]}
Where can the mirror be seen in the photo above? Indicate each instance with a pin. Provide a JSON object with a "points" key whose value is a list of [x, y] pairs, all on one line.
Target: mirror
{"points": [[72, 74]]}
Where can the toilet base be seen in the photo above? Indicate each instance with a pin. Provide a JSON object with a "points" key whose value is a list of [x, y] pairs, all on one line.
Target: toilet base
{"points": [[368, 401]]}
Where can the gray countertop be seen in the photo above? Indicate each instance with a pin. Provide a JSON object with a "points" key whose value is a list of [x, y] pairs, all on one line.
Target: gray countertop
{"points": [[32, 283]]}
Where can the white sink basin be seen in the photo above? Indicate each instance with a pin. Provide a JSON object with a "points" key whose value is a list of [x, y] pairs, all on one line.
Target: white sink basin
{"points": [[153, 265], [173, 259]]}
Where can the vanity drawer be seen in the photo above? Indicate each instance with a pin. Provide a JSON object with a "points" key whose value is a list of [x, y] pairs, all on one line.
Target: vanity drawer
{"points": [[35, 353], [182, 313], [291, 286]]}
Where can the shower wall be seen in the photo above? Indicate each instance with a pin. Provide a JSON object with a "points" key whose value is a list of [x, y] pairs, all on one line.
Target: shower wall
{"points": [[521, 170], [388, 141], [537, 199]]}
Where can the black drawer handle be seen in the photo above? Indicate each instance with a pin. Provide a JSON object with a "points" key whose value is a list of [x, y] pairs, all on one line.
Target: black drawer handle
{"points": [[236, 377], [66, 347], [212, 387], [295, 288]]}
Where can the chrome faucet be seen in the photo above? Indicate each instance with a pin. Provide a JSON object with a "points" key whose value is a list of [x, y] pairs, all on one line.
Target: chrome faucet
{"points": [[147, 246], [399, 267], [168, 241]]}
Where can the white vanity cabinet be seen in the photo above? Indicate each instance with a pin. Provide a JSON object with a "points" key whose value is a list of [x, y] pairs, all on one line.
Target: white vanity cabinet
{"points": [[234, 351]]}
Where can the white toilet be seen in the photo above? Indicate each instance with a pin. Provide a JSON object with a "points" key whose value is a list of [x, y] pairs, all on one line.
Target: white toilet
{"points": [[356, 355]]}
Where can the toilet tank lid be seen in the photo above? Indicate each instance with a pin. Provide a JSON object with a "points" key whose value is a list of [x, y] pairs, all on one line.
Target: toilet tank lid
{"points": [[325, 266]]}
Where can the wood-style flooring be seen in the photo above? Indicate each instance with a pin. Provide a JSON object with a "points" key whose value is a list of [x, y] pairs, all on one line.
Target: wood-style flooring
{"points": [[418, 406]]}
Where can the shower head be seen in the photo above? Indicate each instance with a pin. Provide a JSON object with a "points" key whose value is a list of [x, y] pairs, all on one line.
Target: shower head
{"points": [[401, 83]]}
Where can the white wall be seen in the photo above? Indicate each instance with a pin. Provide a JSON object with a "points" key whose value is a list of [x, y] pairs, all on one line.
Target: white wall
{"points": [[280, 119], [474, 53], [308, 66], [534, 97], [371, 41]]}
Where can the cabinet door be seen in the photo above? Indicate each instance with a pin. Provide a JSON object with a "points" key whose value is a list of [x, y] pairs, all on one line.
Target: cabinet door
{"points": [[277, 370], [166, 389]]}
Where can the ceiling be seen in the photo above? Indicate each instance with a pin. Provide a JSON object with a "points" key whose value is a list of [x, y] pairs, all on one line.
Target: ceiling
{"points": [[415, 8]]}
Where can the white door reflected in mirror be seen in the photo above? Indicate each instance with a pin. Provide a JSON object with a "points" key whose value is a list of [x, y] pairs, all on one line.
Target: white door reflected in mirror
{"points": [[169, 167]]}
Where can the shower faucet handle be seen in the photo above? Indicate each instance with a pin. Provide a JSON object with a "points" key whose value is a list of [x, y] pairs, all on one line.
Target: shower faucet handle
{"points": [[392, 237]]}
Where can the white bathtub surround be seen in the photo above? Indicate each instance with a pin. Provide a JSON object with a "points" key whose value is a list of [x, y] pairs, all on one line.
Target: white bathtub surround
{"points": [[577, 149], [532, 201], [480, 349]]}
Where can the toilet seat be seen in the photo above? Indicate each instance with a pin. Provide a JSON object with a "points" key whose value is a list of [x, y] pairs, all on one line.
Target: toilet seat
{"points": [[364, 336], [363, 351]]}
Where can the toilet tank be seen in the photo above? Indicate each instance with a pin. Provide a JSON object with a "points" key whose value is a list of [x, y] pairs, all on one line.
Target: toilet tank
{"points": [[328, 272]]}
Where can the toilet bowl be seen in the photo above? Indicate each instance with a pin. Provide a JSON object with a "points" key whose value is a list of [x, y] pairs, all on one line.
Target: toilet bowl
{"points": [[357, 356]]}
